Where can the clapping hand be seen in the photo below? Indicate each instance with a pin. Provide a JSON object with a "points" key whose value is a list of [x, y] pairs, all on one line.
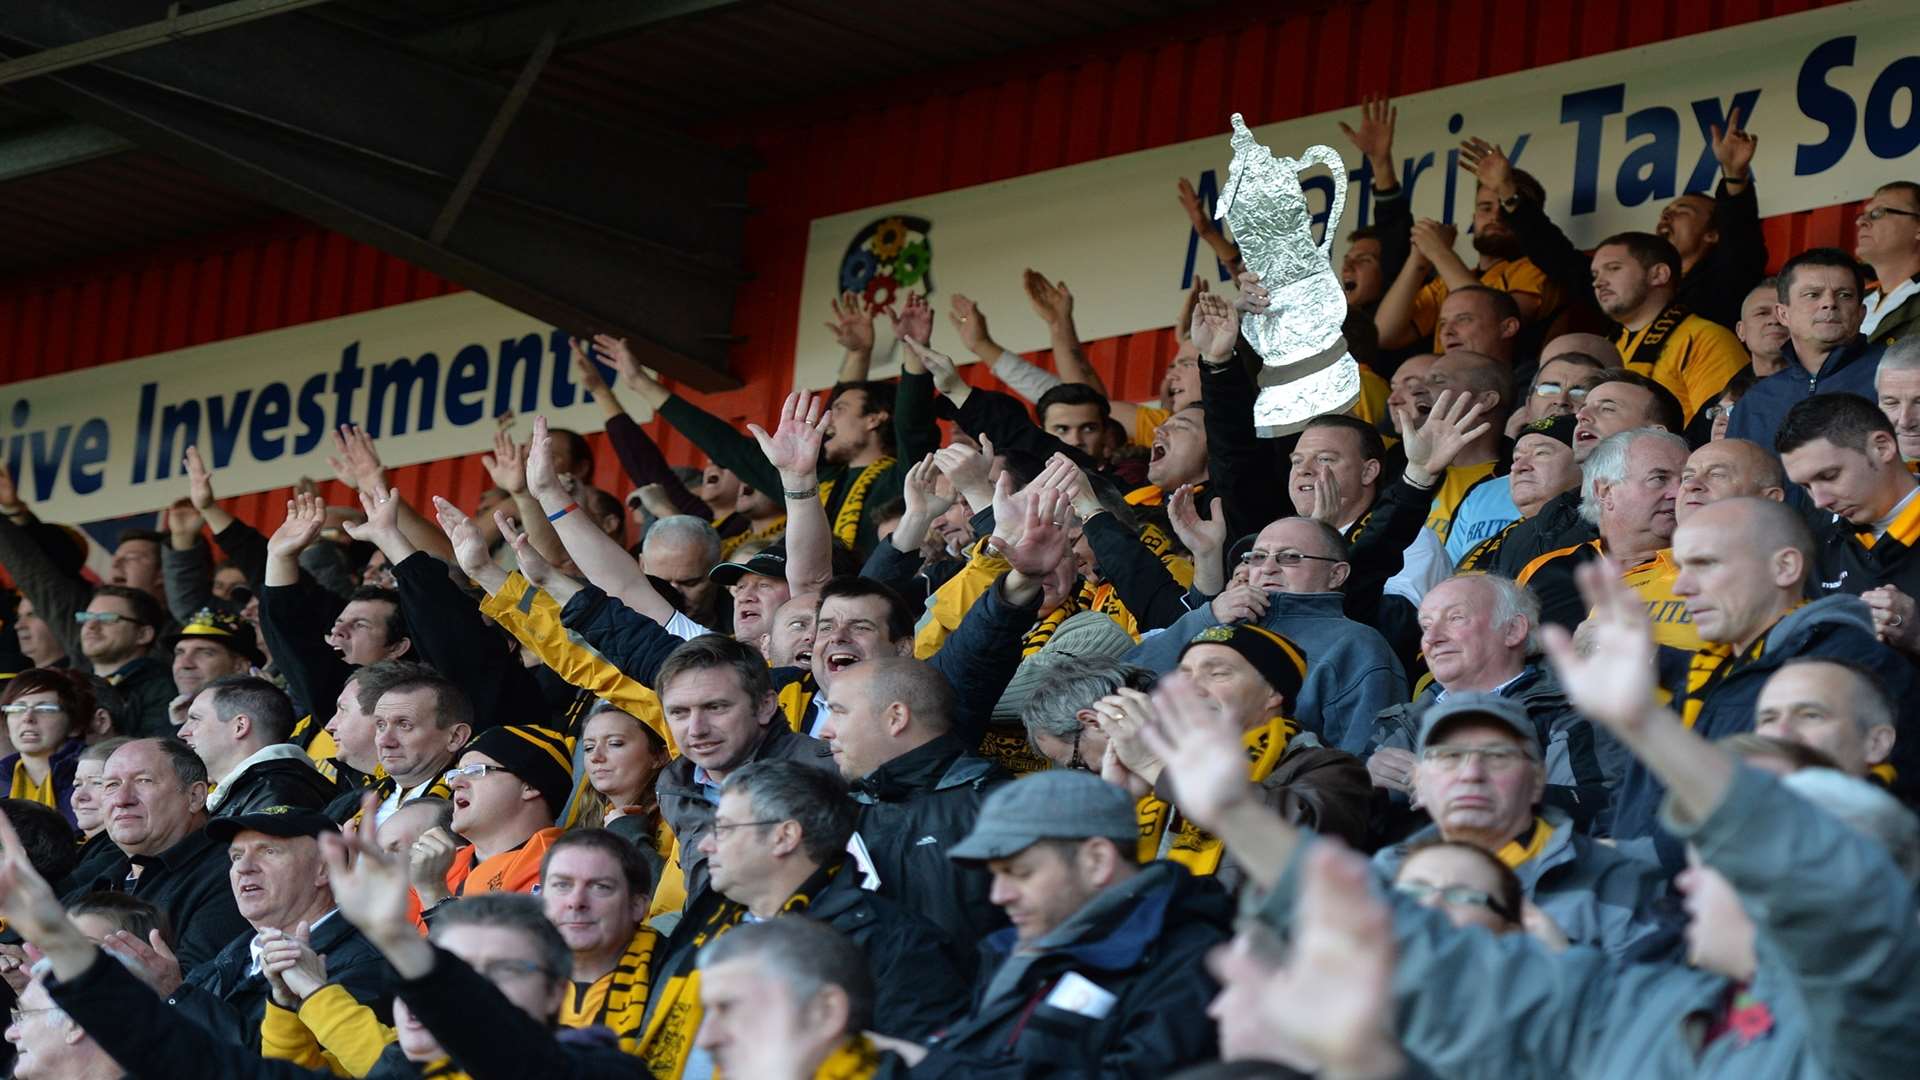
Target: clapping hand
{"points": [[1615, 683], [507, 465], [1051, 299], [1214, 330], [1202, 536], [851, 325], [306, 516], [468, 548], [915, 321]]}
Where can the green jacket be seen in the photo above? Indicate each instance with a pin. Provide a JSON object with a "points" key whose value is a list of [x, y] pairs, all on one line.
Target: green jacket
{"points": [[914, 431]]}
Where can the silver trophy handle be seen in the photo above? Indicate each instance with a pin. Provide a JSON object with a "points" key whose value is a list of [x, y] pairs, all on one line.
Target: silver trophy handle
{"points": [[1322, 154]]}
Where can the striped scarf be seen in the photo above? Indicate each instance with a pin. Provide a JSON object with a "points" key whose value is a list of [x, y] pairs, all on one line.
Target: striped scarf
{"points": [[1103, 598], [846, 522], [760, 537], [1167, 834], [623, 999], [1709, 667], [668, 1041], [1517, 854]]}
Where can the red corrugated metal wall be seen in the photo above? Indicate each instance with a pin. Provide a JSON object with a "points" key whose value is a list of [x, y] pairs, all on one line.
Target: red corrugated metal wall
{"points": [[1078, 102]]}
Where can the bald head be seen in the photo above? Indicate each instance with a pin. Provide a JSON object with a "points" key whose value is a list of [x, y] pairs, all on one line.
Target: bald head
{"points": [[1743, 565], [1726, 469], [1476, 373], [1588, 344], [1761, 525]]}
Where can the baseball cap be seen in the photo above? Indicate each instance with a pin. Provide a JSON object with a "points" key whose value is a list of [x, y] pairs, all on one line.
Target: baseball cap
{"points": [[1557, 428], [226, 628], [769, 563], [274, 821], [1058, 804], [1506, 712]]}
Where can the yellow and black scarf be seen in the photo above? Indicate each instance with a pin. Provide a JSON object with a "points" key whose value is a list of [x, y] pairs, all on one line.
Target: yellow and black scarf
{"points": [[668, 1040], [1101, 597], [1165, 833], [618, 999], [1709, 667], [855, 1059], [1524, 849], [759, 538], [846, 522]]}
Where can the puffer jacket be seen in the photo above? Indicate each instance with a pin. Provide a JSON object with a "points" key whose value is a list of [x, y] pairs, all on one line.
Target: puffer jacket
{"points": [[912, 809], [1141, 944]]}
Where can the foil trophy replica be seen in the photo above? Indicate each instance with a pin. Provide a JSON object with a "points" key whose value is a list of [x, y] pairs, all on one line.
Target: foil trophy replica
{"points": [[1308, 370]]}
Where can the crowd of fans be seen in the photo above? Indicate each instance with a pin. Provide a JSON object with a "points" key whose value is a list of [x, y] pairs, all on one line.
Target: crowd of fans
{"points": [[1550, 711]]}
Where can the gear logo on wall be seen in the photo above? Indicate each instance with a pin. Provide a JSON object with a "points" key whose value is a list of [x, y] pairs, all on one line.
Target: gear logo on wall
{"points": [[890, 256]]}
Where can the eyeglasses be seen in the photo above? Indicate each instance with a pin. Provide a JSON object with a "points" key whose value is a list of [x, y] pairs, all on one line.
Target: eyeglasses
{"points": [[1420, 892], [107, 617], [1554, 389], [1257, 558], [21, 708], [1076, 761], [498, 971], [474, 772], [1496, 758], [19, 1016], [723, 826], [1879, 212], [1715, 412]]}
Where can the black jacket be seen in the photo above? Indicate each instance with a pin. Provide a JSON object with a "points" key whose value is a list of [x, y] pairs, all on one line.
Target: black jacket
{"points": [[686, 808], [229, 1002], [1143, 941], [295, 619], [188, 881], [147, 683], [97, 853], [917, 980], [487, 1035], [277, 782], [1557, 525], [449, 633], [913, 809]]}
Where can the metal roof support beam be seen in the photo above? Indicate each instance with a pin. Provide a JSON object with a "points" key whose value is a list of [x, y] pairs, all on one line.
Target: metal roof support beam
{"points": [[134, 38], [56, 148], [490, 143]]}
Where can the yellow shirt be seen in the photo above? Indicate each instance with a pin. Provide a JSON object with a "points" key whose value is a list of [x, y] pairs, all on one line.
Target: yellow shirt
{"points": [[1507, 275], [1459, 479], [1653, 581], [25, 788], [1145, 419], [1696, 361]]}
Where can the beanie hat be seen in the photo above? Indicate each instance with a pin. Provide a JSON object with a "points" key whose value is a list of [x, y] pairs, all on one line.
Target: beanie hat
{"points": [[1278, 660], [540, 757], [1557, 428]]}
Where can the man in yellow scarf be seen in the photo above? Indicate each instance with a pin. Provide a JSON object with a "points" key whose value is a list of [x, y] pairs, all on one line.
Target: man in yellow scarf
{"points": [[595, 888]]}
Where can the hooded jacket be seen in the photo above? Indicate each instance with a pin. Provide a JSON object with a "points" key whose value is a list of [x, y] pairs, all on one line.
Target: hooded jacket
{"points": [[1848, 369], [1597, 896], [1835, 949], [1838, 627], [912, 809], [1583, 762], [1141, 944], [276, 775], [1352, 673]]}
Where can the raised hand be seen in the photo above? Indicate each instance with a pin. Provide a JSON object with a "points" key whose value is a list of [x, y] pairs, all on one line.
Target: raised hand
{"points": [[1044, 539], [507, 465], [1183, 323], [1333, 997], [199, 480], [966, 468], [1051, 300], [1240, 603], [1449, 428], [468, 548], [915, 321], [370, 888], [533, 565], [794, 446], [355, 456], [1733, 148], [1202, 536], [537, 463], [30, 907], [306, 516], [851, 325], [185, 523], [946, 374], [151, 960], [1374, 139], [587, 371], [382, 527], [1433, 241], [1488, 163], [1214, 329], [1194, 736], [969, 323], [9, 491], [921, 491], [1254, 298], [1615, 683], [1196, 212]]}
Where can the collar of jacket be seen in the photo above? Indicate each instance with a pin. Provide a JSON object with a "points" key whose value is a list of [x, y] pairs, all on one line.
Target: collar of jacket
{"points": [[66, 752], [922, 768], [1842, 357], [1115, 929], [677, 777]]}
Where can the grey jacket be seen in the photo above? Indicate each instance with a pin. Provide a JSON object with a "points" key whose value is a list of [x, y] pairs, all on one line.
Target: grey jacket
{"points": [[1352, 673], [1596, 895], [1837, 952]]}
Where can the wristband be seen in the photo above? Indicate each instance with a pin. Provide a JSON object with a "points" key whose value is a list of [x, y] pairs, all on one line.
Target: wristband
{"points": [[563, 511], [804, 493]]}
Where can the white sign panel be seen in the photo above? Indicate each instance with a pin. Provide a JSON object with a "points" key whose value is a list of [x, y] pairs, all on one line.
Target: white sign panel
{"points": [[426, 379], [1831, 94]]}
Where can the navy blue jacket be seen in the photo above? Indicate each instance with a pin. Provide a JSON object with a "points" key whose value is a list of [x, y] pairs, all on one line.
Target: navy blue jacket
{"points": [[1847, 370]]}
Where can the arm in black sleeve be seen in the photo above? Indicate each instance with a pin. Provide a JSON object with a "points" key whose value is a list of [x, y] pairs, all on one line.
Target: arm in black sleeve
{"points": [[1549, 249], [189, 578], [717, 439], [137, 1030], [897, 569], [1006, 421], [1393, 219], [489, 1036], [1152, 594], [449, 633], [979, 658], [1737, 263], [295, 620], [915, 435], [1240, 467], [55, 595], [1378, 550], [627, 639], [640, 456], [246, 548]]}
